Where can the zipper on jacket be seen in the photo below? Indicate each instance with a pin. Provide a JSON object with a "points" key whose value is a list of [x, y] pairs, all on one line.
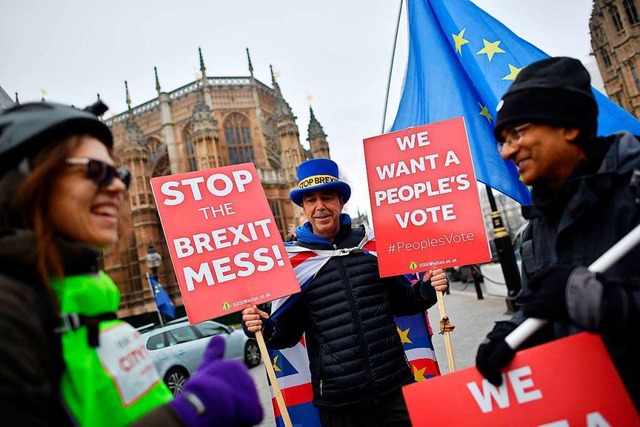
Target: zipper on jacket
{"points": [[321, 361], [357, 321]]}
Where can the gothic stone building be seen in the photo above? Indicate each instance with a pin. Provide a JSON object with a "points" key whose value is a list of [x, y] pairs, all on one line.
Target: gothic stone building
{"points": [[208, 123], [615, 41]]}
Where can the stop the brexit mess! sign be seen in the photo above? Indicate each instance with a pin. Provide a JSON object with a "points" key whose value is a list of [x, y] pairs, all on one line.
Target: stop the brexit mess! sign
{"points": [[225, 246], [424, 199], [569, 382]]}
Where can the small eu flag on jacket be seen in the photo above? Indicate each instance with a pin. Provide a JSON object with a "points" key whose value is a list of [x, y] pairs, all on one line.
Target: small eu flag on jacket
{"points": [[164, 303]]}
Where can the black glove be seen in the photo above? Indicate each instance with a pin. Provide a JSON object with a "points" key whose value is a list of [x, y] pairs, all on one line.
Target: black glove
{"points": [[549, 294], [494, 353]]}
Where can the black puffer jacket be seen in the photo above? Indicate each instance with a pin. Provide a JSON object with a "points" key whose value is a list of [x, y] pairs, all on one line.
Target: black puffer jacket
{"points": [[355, 353]]}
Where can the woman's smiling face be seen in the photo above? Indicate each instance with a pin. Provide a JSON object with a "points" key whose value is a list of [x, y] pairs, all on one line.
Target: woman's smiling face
{"points": [[80, 210]]}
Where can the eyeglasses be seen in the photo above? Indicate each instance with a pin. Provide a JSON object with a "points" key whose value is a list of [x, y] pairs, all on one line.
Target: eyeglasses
{"points": [[514, 136], [101, 173]]}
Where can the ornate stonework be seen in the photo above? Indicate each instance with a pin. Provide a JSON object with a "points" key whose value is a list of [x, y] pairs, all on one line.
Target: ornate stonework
{"points": [[211, 122], [615, 41]]}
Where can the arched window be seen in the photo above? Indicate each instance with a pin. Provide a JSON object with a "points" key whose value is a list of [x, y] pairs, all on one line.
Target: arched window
{"points": [[632, 12], [615, 17], [606, 58], [636, 78], [154, 144], [191, 151], [238, 136], [278, 210], [162, 166]]}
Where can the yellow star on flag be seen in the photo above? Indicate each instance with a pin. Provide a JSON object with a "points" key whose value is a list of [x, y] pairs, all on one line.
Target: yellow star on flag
{"points": [[275, 364], [484, 112], [459, 40], [490, 49], [404, 336], [418, 374], [513, 72]]}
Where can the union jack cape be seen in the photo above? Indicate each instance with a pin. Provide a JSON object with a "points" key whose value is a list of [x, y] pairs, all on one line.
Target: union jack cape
{"points": [[291, 365]]}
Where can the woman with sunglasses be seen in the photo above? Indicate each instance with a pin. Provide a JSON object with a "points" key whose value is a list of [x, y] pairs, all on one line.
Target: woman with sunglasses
{"points": [[65, 358]]}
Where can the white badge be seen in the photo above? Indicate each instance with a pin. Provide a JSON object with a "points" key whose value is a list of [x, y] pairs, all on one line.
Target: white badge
{"points": [[126, 359]]}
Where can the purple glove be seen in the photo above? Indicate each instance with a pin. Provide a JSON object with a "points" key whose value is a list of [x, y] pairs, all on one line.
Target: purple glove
{"points": [[220, 393]]}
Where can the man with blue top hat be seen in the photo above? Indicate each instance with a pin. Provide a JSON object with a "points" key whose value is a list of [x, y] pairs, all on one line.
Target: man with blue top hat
{"points": [[345, 309]]}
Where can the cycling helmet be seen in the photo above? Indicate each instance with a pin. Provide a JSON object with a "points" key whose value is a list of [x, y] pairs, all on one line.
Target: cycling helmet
{"points": [[27, 127]]}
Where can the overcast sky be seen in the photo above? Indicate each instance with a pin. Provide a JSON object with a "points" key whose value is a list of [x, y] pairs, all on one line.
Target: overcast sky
{"points": [[336, 52]]}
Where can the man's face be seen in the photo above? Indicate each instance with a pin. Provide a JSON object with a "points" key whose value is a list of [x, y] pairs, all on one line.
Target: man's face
{"points": [[543, 154], [322, 208]]}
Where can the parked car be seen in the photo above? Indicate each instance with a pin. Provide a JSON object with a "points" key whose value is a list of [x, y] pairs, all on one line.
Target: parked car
{"points": [[177, 348]]}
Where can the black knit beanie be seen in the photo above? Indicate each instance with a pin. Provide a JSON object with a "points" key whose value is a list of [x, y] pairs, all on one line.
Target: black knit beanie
{"points": [[555, 91]]}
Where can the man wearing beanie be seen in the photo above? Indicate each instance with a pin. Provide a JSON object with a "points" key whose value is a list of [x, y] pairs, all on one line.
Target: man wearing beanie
{"points": [[345, 309], [586, 197]]}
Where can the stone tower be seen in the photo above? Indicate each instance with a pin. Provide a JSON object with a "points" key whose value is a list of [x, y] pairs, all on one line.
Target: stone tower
{"points": [[615, 41], [317, 138]]}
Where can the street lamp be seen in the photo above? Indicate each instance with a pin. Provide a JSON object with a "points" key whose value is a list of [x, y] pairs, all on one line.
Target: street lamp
{"points": [[505, 255], [153, 261]]}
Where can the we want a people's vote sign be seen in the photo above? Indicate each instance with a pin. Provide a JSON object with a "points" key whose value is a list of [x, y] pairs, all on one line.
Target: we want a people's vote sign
{"points": [[424, 199], [225, 246], [566, 383]]}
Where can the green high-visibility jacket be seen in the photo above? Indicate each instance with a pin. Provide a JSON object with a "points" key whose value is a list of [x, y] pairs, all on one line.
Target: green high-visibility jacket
{"points": [[116, 382]]}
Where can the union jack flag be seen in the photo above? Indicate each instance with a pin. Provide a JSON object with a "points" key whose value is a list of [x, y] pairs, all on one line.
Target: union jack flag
{"points": [[291, 365]]}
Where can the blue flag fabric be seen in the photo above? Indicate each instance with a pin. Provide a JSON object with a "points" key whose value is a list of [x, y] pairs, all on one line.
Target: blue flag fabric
{"points": [[164, 303], [461, 62]]}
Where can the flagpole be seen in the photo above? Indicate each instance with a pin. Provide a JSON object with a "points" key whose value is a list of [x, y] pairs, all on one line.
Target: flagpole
{"points": [[393, 55], [153, 294], [284, 413], [506, 257], [445, 329]]}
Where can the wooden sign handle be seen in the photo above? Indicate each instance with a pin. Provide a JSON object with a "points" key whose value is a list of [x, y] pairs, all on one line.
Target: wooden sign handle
{"points": [[272, 379], [445, 328]]}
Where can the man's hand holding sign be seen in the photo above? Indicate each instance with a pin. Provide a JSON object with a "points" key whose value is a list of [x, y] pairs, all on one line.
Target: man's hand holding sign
{"points": [[425, 203], [530, 393], [332, 333], [224, 244], [225, 247]]}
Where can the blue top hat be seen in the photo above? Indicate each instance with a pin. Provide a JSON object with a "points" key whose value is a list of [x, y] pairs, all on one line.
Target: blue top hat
{"points": [[319, 175]]}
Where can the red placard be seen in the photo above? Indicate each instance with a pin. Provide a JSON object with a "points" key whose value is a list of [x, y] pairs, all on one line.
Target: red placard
{"points": [[425, 204], [225, 246], [568, 382]]}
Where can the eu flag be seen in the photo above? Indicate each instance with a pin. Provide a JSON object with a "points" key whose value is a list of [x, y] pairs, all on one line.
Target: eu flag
{"points": [[164, 303], [461, 62]]}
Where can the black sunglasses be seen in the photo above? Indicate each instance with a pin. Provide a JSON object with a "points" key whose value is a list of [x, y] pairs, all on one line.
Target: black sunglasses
{"points": [[100, 172]]}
